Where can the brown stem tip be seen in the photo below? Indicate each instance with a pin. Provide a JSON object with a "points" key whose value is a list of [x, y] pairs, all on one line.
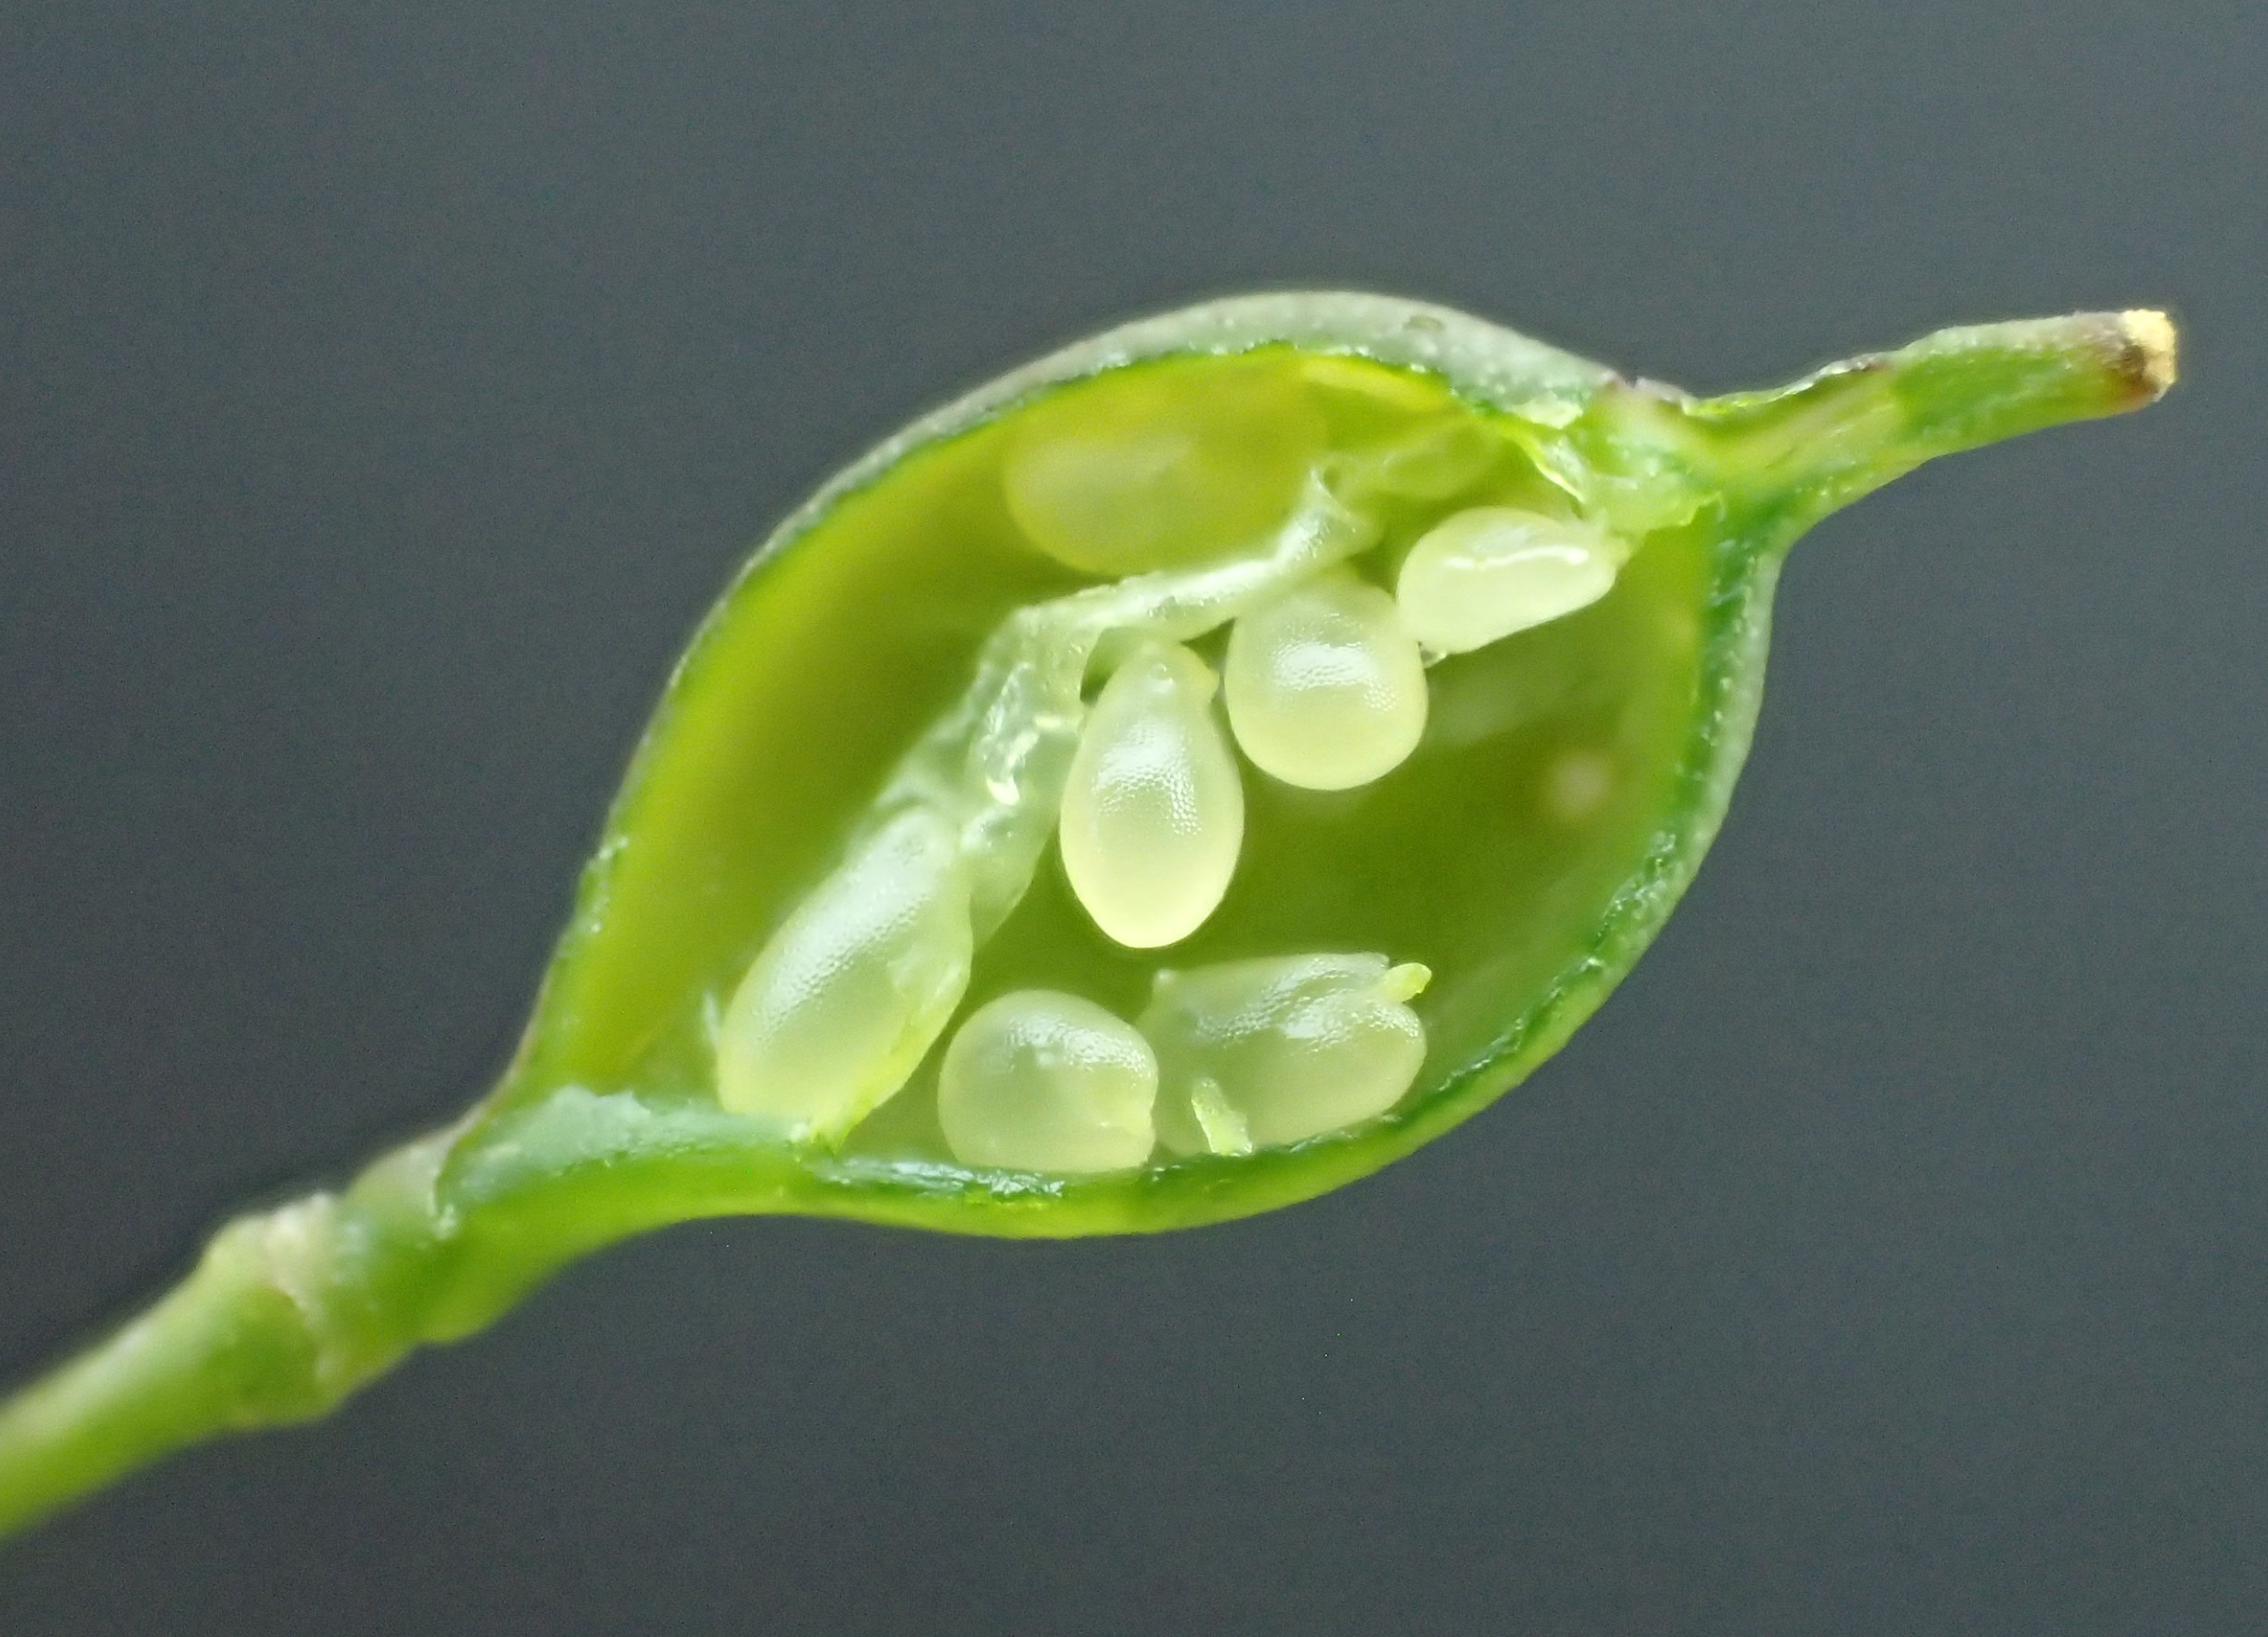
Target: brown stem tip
{"points": [[2148, 336]]}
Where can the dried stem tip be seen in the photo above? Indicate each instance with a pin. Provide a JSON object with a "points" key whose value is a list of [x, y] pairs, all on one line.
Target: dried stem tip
{"points": [[2150, 334]]}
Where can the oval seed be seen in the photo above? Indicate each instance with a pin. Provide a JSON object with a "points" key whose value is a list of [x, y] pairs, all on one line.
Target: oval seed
{"points": [[1151, 469], [1430, 462], [1324, 687], [854, 987], [1043, 1082], [1152, 809], [1485, 573], [1255, 1053]]}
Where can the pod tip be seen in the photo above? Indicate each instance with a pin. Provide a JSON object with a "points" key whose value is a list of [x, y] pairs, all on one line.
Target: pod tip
{"points": [[2149, 336]]}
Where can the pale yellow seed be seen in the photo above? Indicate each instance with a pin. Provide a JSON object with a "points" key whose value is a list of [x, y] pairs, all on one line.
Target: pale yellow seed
{"points": [[1153, 808], [1260, 1052], [1324, 687], [854, 987], [1430, 462], [1576, 785], [1041, 1082], [1149, 469], [1485, 573], [1409, 393]]}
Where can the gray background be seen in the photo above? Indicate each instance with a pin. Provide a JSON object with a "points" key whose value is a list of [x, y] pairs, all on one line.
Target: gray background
{"points": [[384, 389]]}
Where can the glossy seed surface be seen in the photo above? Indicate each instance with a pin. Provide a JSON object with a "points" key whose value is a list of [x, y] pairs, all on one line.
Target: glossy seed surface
{"points": [[1153, 805], [1272, 1051], [1040, 1080], [854, 987], [1488, 571], [1153, 470], [1324, 687]]}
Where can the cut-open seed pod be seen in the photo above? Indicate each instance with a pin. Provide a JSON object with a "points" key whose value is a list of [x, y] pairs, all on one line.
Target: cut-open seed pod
{"points": [[1493, 621]]}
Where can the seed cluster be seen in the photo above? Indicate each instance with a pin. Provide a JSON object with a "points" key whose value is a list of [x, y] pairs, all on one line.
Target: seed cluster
{"points": [[1216, 507]]}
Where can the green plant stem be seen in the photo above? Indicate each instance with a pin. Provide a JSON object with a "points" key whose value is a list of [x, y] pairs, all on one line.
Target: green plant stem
{"points": [[1810, 448]]}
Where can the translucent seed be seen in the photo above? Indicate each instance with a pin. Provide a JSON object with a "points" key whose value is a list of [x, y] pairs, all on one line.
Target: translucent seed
{"points": [[1139, 469], [1485, 573], [1409, 395], [1326, 688], [854, 987], [1265, 1052], [1152, 809], [1576, 785], [1430, 461], [1041, 1082], [1434, 462]]}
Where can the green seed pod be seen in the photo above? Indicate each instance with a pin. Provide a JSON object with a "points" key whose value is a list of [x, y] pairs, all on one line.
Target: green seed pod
{"points": [[839, 837]]}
